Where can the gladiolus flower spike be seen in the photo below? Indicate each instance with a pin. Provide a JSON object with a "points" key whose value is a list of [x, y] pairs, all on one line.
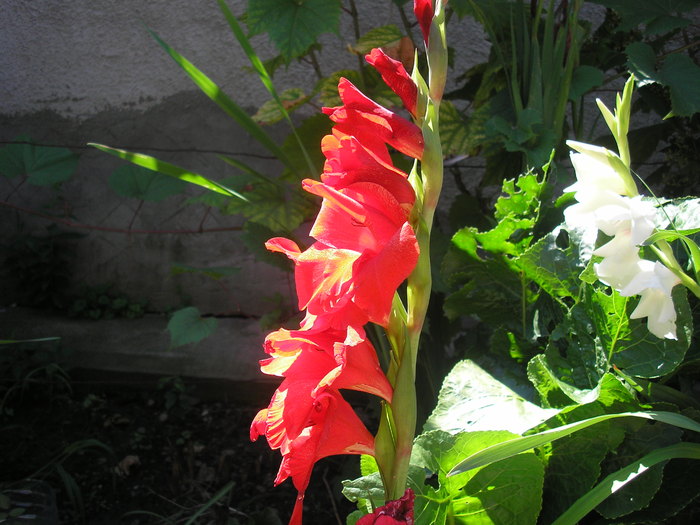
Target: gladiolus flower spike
{"points": [[364, 248]]}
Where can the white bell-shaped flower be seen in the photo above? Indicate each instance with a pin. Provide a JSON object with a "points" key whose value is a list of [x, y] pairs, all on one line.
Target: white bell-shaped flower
{"points": [[654, 282], [620, 261]]}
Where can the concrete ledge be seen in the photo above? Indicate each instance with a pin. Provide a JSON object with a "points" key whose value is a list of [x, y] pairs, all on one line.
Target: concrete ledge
{"points": [[143, 345]]}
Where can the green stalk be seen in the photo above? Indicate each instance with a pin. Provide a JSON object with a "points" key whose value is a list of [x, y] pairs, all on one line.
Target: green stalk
{"points": [[405, 326]]}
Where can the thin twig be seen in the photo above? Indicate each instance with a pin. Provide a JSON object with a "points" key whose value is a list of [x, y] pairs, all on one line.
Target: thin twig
{"points": [[330, 495]]}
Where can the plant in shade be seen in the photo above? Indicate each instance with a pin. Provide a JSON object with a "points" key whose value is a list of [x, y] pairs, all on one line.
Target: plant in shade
{"points": [[371, 234]]}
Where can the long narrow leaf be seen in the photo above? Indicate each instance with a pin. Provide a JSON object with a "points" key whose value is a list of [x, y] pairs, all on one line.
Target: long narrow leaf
{"points": [[521, 444], [245, 168], [619, 479], [264, 76], [216, 497], [213, 91], [152, 163]]}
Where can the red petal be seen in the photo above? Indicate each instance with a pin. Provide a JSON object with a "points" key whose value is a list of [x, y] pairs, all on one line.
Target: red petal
{"points": [[369, 122], [424, 14], [378, 278], [395, 76]]}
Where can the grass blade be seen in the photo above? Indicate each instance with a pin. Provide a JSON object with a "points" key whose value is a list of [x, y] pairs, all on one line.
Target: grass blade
{"points": [[516, 446], [152, 163], [264, 76], [215, 498], [232, 109], [619, 479]]}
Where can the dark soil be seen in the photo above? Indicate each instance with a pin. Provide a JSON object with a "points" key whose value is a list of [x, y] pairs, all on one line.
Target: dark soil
{"points": [[167, 452]]}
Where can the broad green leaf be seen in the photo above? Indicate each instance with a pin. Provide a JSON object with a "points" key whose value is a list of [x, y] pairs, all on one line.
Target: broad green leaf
{"points": [[674, 495], [188, 326], [637, 494], [42, 165], [554, 269], [328, 86], [293, 26], [677, 72], [629, 343], [684, 214], [509, 492], [255, 236], [271, 205], [223, 101], [377, 37], [617, 480], [493, 291], [521, 444], [682, 76], [585, 360], [215, 272], [459, 135], [471, 399], [654, 14], [270, 112], [264, 76], [141, 183], [574, 462], [160, 166]]}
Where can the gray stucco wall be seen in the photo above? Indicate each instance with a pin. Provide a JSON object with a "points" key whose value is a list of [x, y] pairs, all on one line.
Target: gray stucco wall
{"points": [[87, 71]]}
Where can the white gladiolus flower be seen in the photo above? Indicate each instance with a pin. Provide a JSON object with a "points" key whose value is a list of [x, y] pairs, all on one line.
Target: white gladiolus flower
{"points": [[620, 261], [594, 172], [626, 214], [654, 282]]}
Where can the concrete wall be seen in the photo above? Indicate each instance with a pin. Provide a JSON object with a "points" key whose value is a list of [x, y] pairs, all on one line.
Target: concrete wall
{"points": [[88, 71]]}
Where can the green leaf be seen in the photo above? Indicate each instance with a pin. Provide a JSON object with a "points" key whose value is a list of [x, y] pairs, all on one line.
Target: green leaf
{"points": [[141, 183], [377, 37], [509, 492], [328, 86], [628, 341], [42, 165], [654, 14], [471, 399], [458, 135], [276, 207], [270, 112], [264, 76], [293, 26], [673, 496], [617, 480], [215, 272], [678, 72], [682, 76], [188, 326], [554, 269], [637, 494], [521, 444], [254, 237], [232, 109], [166, 168]]}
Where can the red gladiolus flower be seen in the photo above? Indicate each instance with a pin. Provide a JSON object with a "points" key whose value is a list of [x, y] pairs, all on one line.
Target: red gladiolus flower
{"points": [[373, 124], [348, 161], [397, 512], [365, 251], [334, 358], [307, 428], [424, 14], [395, 76]]}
